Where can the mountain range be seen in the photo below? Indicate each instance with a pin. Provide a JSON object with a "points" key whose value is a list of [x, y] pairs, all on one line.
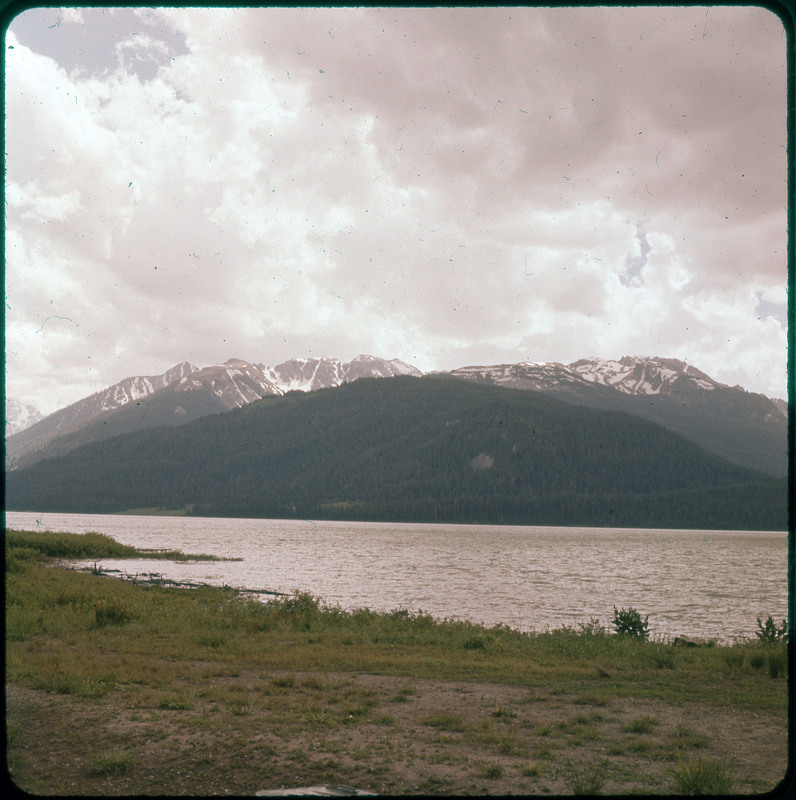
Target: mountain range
{"points": [[746, 428], [181, 394], [407, 448]]}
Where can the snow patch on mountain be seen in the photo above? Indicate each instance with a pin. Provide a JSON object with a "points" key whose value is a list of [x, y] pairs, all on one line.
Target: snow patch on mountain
{"points": [[128, 391], [20, 416], [533, 375], [311, 374], [638, 375], [630, 375], [235, 382]]}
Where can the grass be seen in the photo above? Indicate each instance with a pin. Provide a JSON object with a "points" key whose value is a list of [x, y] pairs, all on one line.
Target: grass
{"points": [[110, 763], [701, 776], [585, 779], [445, 721], [643, 724], [26, 545], [292, 692]]}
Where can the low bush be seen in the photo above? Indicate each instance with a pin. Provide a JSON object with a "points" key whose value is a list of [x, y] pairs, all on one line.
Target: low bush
{"points": [[628, 622], [771, 633]]}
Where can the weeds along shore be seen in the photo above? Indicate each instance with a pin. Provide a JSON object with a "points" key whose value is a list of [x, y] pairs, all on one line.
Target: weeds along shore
{"points": [[220, 670]]}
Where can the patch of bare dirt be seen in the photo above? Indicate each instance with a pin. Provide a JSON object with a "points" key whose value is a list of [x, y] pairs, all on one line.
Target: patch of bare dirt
{"points": [[235, 735]]}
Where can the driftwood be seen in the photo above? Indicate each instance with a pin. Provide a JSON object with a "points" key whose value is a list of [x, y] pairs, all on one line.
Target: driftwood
{"points": [[156, 579]]}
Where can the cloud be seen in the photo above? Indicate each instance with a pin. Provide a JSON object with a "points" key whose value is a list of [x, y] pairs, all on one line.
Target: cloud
{"points": [[439, 185]]}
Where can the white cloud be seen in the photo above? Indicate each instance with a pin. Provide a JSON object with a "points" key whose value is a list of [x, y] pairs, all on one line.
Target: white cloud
{"points": [[71, 15], [431, 184]]}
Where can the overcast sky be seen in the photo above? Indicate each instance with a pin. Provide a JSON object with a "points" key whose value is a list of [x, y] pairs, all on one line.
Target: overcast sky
{"points": [[445, 186]]}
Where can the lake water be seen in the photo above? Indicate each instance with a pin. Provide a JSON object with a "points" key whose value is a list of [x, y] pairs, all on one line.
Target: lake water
{"points": [[695, 583]]}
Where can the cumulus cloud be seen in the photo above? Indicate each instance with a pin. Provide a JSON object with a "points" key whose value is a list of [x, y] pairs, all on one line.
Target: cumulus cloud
{"points": [[446, 186]]}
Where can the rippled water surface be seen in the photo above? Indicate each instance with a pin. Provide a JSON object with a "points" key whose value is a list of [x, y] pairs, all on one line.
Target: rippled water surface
{"points": [[696, 583]]}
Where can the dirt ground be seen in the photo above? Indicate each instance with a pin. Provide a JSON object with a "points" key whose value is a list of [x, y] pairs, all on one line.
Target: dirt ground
{"points": [[388, 735]]}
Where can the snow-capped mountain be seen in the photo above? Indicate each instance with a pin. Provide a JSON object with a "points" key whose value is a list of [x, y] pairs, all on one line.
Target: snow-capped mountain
{"points": [[130, 389], [634, 375], [532, 375], [19, 416], [235, 382], [747, 428], [629, 375], [182, 394], [311, 374], [89, 408]]}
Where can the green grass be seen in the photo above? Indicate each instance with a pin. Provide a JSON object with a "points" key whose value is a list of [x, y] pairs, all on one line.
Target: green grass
{"points": [[111, 763], [445, 721], [86, 546], [586, 778], [68, 545], [214, 623], [643, 724], [701, 776]]}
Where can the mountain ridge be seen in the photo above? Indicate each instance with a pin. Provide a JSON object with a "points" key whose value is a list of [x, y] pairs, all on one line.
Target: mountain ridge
{"points": [[225, 386], [747, 428], [412, 449]]}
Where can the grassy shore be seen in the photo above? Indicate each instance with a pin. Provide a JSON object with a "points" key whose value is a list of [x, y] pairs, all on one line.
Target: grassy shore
{"points": [[115, 688]]}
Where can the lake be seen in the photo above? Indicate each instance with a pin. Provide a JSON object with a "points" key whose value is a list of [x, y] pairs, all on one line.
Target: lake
{"points": [[710, 584]]}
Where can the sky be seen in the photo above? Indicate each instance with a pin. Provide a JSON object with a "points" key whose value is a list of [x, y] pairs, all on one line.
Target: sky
{"points": [[447, 186]]}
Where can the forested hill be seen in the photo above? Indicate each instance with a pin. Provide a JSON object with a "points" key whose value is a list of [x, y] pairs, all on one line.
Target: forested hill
{"points": [[412, 449]]}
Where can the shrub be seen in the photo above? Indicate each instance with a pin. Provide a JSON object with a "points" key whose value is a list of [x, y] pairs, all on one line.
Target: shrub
{"points": [[19, 559], [628, 622], [592, 628], [300, 608], [770, 633], [478, 641], [756, 660]]}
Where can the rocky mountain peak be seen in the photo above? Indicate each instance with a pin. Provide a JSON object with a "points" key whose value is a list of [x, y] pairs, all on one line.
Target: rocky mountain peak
{"points": [[643, 375], [20, 416], [235, 383], [310, 374]]}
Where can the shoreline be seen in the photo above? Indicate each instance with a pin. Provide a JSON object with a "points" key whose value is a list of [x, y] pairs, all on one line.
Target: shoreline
{"points": [[157, 579]]}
